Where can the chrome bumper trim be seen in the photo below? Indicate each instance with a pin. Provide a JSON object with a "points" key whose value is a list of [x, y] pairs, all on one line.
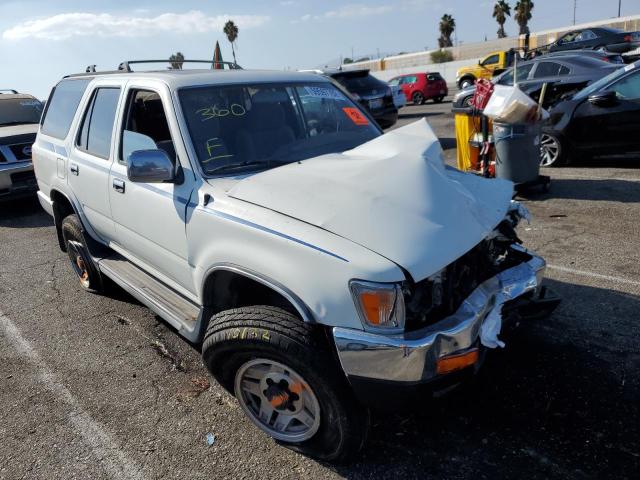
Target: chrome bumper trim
{"points": [[412, 356]]}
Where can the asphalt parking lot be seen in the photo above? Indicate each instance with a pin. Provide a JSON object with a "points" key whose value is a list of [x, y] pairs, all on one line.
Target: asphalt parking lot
{"points": [[98, 387]]}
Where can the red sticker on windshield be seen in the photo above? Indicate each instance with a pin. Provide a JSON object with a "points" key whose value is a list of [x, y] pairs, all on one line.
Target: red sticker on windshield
{"points": [[355, 116]]}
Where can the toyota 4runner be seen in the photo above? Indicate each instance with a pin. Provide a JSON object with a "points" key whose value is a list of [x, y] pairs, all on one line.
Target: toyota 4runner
{"points": [[323, 266]]}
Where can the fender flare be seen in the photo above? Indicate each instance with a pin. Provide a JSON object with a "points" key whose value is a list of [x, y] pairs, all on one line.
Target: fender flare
{"points": [[298, 304]]}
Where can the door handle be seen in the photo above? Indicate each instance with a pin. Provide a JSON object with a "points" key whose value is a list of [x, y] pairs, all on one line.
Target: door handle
{"points": [[118, 185], [74, 169]]}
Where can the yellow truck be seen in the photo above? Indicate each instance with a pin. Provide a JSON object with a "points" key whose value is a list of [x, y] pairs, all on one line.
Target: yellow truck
{"points": [[493, 64]]}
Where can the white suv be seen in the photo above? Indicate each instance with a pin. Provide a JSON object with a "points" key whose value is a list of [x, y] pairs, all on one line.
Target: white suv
{"points": [[324, 266]]}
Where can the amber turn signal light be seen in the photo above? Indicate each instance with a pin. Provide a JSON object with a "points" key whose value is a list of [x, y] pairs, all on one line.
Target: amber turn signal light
{"points": [[452, 363]]}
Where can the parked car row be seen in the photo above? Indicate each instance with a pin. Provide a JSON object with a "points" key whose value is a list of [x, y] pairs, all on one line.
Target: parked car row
{"points": [[594, 104], [563, 74]]}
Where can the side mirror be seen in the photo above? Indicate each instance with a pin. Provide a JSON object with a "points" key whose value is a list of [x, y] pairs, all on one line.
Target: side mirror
{"points": [[150, 166], [603, 99]]}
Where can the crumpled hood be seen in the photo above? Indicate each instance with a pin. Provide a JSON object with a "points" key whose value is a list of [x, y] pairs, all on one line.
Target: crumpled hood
{"points": [[393, 195]]}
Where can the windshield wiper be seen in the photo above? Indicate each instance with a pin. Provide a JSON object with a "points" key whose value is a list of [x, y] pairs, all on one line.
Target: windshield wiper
{"points": [[235, 166]]}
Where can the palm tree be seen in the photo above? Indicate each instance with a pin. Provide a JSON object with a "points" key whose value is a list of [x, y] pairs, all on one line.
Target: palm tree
{"points": [[177, 59], [447, 26], [523, 15], [231, 31], [501, 10]]}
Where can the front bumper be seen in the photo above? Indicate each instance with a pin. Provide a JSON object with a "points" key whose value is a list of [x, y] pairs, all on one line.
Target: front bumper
{"points": [[17, 179], [412, 358]]}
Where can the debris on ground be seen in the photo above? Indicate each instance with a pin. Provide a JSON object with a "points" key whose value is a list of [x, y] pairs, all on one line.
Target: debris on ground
{"points": [[211, 438], [162, 350]]}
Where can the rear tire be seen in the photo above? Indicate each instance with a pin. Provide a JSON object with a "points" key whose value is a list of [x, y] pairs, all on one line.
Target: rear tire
{"points": [[82, 263], [263, 354], [438, 99]]}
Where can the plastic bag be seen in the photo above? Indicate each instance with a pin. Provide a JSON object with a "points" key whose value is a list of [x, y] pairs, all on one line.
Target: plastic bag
{"points": [[510, 105]]}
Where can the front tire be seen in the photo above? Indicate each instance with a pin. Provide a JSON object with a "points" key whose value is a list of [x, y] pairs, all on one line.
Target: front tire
{"points": [[418, 98], [553, 151], [466, 83], [82, 263], [286, 380]]}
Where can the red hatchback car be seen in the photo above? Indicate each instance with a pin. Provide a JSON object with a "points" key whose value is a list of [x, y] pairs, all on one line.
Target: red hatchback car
{"points": [[420, 87]]}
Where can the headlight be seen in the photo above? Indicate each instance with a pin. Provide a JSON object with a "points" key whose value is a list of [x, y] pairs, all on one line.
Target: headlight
{"points": [[380, 305]]}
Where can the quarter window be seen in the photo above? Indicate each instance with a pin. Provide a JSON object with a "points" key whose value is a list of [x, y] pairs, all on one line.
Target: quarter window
{"points": [[61, 107], [97, 124]]}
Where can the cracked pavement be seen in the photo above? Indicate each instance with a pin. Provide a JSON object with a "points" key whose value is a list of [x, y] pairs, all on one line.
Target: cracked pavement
{"points": [[562, 400]]}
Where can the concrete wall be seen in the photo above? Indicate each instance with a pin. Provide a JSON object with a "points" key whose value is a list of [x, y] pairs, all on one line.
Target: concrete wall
{"points": [[467, 54], [447, 70]]}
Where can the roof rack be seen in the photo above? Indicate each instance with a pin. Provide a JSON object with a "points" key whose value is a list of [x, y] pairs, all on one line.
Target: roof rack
{"points": [[126, 65], [9, 90]]}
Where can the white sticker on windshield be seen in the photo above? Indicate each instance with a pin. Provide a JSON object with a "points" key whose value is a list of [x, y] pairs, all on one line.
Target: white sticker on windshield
{"points": [[321, 92], [629, 67]]}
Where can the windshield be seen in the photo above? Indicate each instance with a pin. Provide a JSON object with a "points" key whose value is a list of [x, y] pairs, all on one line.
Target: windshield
{"points": [[18, 111], [239, 128], [595, 86]]}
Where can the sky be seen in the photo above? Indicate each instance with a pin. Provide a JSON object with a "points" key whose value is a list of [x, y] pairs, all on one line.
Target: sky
{"points": [[43, 40]]}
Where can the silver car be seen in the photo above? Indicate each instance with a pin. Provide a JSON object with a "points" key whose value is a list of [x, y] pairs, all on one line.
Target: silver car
{"points": [[19, 118]]}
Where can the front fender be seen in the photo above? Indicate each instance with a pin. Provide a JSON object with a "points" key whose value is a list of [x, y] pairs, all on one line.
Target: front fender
{"points": [[304, 263]]}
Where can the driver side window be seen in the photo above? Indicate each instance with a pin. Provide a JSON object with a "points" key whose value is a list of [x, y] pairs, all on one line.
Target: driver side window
{"points": [[145, 126], [491, 60], [628, 88]]}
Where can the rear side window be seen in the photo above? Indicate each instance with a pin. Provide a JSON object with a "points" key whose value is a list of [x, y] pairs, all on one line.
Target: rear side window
{"points": [[61, 107], [550, 69], [97, 124], [358, 82]]}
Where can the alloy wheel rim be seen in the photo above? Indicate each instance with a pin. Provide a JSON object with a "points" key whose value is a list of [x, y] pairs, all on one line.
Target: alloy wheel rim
{"points": [[549, 150], [417, 98], [78, 263], [278, 400]]}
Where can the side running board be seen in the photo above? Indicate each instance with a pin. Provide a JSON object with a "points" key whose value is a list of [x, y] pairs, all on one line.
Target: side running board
{"points": [[178, 311]]}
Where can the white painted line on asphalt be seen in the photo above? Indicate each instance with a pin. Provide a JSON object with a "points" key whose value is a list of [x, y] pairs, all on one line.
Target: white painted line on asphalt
{"points": [[599, 276], [105, 448]]}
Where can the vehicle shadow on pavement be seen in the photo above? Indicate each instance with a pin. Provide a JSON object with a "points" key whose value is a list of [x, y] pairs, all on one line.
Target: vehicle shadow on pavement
{"points": [[631, 161], [547, 404], [24, 213], [595, 190]]}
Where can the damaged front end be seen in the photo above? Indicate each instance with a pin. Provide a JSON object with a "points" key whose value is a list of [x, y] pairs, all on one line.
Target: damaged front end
{"points": [[451, 317], [440, 295]]}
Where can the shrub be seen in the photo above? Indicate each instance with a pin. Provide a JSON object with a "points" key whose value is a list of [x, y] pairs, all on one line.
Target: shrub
{"points": [[441, 56]]}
